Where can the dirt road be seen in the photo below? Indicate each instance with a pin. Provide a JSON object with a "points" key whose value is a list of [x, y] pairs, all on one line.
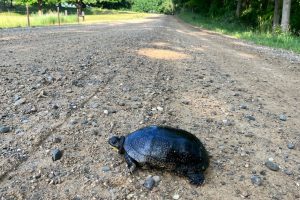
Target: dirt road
{"points": [[73, 87]]}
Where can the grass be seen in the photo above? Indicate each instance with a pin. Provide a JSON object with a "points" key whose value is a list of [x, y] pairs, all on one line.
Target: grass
{"points": [[10, 19], [283, 40]]}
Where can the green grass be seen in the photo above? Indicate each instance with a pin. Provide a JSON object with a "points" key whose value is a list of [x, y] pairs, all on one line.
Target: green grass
{"points": [[9, 20], [283, 40]]}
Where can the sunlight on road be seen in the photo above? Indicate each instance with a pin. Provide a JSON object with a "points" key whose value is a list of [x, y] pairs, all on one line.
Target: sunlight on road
{"points": [[163, 54]]}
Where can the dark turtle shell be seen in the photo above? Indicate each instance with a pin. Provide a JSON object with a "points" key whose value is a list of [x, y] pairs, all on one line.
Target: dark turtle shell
{"points": [[166, 147]]}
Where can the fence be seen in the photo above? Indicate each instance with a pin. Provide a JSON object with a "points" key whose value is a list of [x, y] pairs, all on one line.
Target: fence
{"points": [[26, 17]]}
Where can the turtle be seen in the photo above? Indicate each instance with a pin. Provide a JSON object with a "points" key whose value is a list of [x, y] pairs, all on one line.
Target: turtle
{"points": [[166, 148]]}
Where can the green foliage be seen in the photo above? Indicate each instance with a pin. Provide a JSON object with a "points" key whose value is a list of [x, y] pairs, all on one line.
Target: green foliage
{"points": [[153, 6], [256, 14], [236, 29], [295, 17]]}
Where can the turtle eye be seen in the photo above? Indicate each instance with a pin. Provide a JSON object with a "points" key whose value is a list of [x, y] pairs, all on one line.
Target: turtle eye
{"points": [[113, 141]]}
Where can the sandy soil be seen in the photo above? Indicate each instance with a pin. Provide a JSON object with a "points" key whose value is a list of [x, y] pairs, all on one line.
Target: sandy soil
{"points": [[72, 87]]}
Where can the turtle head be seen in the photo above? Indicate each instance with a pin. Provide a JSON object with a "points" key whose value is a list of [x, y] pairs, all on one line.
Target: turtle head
{"points": [[117, 143]]}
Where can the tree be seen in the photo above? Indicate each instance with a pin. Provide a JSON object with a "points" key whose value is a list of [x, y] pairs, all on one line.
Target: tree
{"points": [[285, 19], [238, 8], [276, 15]]}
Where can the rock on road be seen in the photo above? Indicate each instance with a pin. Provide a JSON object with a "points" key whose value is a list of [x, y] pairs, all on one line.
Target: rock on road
{"points": [[72, 87]]}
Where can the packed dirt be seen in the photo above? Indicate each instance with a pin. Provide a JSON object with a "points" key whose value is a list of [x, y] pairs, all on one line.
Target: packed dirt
{"points": [[72, 87]]}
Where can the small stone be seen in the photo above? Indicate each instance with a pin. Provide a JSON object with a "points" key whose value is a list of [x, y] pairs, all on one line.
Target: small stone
{"points": [[249, 134], [282, 117], [256, 180], [156, 179], [42, 94], [72, 106], [291, 146], [176, 196], [16, 97], [159, 108], [149, 183], [56, 154], [20, 101], [4, 129], [130, 196], [105, 169], [250, 117], [121, 103], [37, 176], [243, 106], [288, 172], [186, 102], [262, 172], [105, 112], [245, 194], [271, 165], [55, 107], [73, 122], [228, 122], [56, 140]]}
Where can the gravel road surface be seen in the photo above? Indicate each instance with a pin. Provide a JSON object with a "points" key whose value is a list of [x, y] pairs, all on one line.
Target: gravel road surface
{"points": [[72, 87]]}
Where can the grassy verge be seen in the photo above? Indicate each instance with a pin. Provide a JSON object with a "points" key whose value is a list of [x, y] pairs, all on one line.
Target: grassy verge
{"points": [[284, 41], [9, 20]]}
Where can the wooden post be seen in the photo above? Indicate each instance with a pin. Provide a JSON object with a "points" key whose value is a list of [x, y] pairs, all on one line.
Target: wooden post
{"points": [[82, 16], [78, 16], [66, 12], [58, 16], [27, 11]]}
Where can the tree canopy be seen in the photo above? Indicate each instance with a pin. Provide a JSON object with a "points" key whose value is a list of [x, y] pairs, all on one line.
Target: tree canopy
{"points": [[259, 14]]}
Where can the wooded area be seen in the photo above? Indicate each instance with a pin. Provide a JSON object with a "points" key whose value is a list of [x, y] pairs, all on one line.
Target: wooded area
{"points": [[262, 15]]}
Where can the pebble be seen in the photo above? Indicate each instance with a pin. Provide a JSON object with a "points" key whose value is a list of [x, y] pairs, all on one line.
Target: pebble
{"points": [[20, 101], [56, 154], [271, 165], [288, 172], [149, 183], [105, 112], [250, 117], [159, 108], [291, 146], [55, 107], [256, 180], [156, 179], [282, 117], [121, 103], [4, 129], [72, 106], [249, 134], [243, 106], [186, 102], [228, 122], [56, 140], [105, 169], [176, 196], [16, 97]]}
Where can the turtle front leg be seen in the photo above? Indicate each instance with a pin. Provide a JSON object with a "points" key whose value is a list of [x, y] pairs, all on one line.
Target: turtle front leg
{"points": [[131, 163], [196, 178]]}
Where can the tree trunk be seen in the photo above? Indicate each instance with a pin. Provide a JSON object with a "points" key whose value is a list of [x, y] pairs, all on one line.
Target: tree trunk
{"points": [[285, 19], [40, 5], [79, 7], [238, 8], [276, 16], [11, 3]]}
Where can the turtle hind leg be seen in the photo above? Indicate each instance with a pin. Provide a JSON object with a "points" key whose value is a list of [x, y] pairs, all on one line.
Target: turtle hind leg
{"points": [[196, 178], [131, 163]]}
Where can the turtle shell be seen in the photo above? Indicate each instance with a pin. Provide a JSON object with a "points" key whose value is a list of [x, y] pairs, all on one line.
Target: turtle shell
{"points": [[165, 147]]}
